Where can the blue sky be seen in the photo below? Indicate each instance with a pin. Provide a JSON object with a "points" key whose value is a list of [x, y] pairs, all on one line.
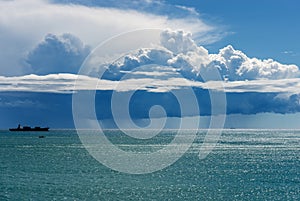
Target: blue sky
{"points": [[253, 45], [260, 28]]}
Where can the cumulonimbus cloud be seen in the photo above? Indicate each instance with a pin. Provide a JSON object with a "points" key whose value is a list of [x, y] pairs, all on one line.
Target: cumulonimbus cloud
{"points": [[65, 53], [24, 24], [58, 54]]}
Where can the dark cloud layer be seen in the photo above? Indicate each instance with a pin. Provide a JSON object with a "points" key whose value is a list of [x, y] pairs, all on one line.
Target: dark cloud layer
{"points": [[44, 109], [55, 110], [237, 103]]}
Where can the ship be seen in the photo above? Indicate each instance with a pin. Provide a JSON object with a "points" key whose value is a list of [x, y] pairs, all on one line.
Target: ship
{"points": [[27, 128]]}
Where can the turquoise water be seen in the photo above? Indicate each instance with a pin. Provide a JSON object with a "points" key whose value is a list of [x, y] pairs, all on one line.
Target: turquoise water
{"points": [[245, 165]]}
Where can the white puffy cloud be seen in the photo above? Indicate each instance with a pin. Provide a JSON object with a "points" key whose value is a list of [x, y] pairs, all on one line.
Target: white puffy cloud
{"points": [[238, 66], [178, 41], [180, 52], [232, 64]]}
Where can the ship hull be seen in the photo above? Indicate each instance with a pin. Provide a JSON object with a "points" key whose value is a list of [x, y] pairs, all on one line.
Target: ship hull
{"points": [[29, 129]]}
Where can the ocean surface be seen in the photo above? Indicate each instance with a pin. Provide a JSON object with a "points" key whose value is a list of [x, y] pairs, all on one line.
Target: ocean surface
{"points": [[245, 165]]}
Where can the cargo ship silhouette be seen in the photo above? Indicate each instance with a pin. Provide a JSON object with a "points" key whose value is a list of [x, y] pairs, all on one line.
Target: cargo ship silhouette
{"points": [[27, 128]]}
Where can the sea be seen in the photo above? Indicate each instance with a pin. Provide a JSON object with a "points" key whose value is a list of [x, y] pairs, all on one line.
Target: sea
{"points": [[244, 165]]}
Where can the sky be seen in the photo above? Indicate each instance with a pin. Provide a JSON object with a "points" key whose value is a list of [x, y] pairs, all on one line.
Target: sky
{"points": [[227, 58]]}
